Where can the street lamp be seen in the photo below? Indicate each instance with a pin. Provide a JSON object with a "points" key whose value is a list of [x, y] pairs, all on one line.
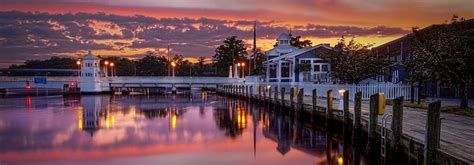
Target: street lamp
{"points": [[78, 63], [243, 68], [173, 65], [112, 72], [105, 70]]}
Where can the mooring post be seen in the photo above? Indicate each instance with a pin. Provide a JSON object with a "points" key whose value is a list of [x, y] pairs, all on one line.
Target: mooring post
{"points": [[269, 94], [357, 110], [397, 127], [282, 97], [315, 101], [292, 92], [345, 100], [433, 128], [264, 93], [329, 105], [373, 115], [299, 100], [275, 96]]}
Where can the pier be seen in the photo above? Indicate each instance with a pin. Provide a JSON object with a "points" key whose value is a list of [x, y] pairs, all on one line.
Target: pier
{"points": [[446, 139]]}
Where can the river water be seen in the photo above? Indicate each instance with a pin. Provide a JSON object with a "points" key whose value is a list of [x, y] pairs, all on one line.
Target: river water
{"points": [[198, 128]]}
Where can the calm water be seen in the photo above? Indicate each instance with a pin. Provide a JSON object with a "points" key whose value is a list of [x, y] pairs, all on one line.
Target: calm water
{"points": [[197, 129]]}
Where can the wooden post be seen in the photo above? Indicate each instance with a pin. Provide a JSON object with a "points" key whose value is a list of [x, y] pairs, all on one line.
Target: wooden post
{"points": [[315, 101], [373, 115], [397, 127], [269, 94], [275, 99], [357, 110], [292, 91], [282, 97], [259, 92], [433, 128], [264, 93], [345, 99], [329, 105], [299, 100]]}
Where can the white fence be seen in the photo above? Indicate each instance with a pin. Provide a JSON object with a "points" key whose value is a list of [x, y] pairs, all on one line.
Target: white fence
{"points": [[390, 90]]}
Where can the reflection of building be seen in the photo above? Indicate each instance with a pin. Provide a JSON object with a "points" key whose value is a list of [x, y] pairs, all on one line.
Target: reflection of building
{"points": [[91, 114], [289, 135]]}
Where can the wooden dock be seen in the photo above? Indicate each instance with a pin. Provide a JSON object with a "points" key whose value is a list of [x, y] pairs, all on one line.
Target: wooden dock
{"points": [[456, 142]]}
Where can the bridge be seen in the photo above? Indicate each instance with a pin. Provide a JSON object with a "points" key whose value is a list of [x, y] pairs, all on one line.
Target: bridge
{"points": [[117, 83]]}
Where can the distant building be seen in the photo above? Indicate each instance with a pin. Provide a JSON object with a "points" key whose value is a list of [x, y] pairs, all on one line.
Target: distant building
{"points": [[283, 64]]}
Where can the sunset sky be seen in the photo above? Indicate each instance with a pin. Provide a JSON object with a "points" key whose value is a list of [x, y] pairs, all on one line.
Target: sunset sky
{"points": [[43, 28]]}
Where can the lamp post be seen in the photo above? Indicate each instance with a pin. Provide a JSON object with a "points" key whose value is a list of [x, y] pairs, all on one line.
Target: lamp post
{"points": [[173, 65], [112, 71], [78, 63], [243, 69], [105, 70]]}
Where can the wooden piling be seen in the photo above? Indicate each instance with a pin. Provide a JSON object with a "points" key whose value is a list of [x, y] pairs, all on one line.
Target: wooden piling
{"points": [[373, 115], [264, 93], [299, 100], [269, 94], [292, 91], [433, 128], [282, 97], [357, 110], [397, 127], [329, 105], [345, 99], [275, 99], [315, 101]]}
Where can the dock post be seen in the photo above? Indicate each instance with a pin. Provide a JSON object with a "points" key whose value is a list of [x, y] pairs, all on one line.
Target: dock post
{"points": [[373, 115], [264, 99], [315, 101], [259, 88], [357, 110], [282, 97], [299, 100], [329, 105], [251, 92], [269, 94], [433, 128], [397, 127], [292, 91], [345, 100], [275, 96]]}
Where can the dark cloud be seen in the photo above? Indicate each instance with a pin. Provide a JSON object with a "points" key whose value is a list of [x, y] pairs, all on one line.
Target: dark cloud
{"points": [[26, 35]]}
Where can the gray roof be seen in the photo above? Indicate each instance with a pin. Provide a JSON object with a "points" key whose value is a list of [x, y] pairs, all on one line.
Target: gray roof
{"points": [[284, 36], [298, 52], [90, 56]]}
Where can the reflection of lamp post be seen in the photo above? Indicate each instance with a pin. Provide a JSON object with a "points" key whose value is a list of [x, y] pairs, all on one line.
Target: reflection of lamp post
{"points": [[173, 65], [112, 72]]}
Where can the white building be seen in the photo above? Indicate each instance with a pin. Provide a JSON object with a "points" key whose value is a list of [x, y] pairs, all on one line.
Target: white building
{"points": [[289, 64], [92, 79]]}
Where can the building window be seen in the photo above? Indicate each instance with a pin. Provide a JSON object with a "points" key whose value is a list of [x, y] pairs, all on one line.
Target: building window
{"points": [[284, 42], [305, 61], [272, 71], [316, 68], [324, 68], [285, 69]]}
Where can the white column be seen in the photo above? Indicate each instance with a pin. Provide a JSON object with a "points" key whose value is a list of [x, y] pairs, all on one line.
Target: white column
{"points": [[292, 69], [236, 71], [267, 72]]}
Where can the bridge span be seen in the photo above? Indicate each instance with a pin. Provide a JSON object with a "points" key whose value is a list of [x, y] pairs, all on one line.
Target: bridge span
{"points": [[116, 83]]}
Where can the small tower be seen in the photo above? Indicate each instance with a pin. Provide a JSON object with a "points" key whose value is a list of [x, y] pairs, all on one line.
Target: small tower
{"points": [[284, 39], [90, 74]]}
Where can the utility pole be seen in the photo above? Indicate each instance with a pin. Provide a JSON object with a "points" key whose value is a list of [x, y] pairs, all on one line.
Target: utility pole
{"points": [[168, 59], [254, 48]]}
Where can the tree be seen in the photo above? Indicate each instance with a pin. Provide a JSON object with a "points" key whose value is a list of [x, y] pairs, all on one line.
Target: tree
{"points": [[51, 63], [354, 63], [151, 65], [259, 57], [444, 53], [232, 50]]}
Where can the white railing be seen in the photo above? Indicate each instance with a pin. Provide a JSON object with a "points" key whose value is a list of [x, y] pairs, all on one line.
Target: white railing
{"points": [[391, 91]]}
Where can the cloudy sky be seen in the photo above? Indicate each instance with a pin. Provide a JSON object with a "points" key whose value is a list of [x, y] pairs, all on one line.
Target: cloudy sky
{"points": [[39, 29]]}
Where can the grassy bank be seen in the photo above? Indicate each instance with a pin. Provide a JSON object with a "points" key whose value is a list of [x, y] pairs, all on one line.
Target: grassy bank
{"points": [[444, 108]]}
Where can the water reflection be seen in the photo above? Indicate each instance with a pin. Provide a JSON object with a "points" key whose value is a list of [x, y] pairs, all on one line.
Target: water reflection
{"points": [[202, 127]]}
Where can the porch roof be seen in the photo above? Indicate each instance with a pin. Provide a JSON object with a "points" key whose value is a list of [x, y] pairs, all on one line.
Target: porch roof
{"points": [[296, 53]]}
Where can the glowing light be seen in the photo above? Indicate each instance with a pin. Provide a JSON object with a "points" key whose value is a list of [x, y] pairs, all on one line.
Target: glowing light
{"points": [[238, 64], [340, 160], [243, 64], [106, 63], [173, 121], [173, 64], [341, 92], [112, 64], [79, 118], [78, 62]]}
